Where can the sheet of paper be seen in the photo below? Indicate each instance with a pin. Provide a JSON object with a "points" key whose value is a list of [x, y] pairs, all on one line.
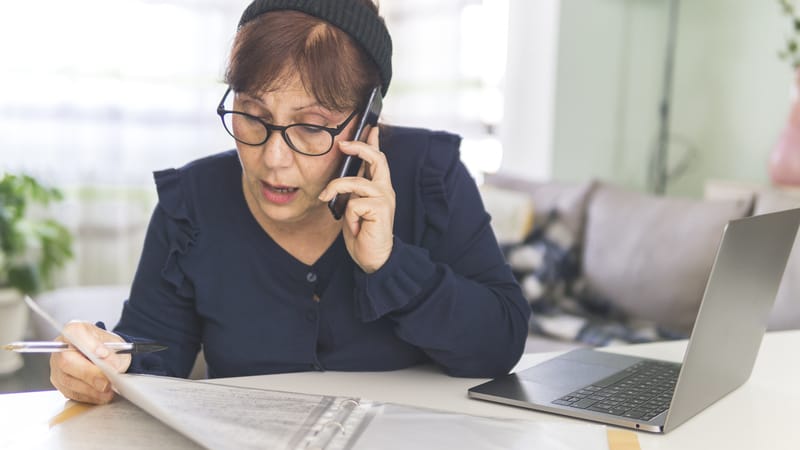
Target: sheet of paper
{"points": [[219, 416], [438, 429]]}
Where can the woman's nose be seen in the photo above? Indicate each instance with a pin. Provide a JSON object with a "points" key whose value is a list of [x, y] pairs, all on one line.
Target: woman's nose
{"points": [[277, 152]]}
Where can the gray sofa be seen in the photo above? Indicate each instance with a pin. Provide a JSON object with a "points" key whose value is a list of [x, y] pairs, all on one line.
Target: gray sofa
{"points": [[640, 262]]}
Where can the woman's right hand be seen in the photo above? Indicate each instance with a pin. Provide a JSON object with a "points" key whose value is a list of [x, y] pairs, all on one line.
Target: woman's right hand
{"points": [[77, 377]]}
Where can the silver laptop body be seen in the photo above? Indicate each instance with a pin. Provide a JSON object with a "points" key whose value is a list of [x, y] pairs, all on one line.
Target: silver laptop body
{"points": [[719, 357]]}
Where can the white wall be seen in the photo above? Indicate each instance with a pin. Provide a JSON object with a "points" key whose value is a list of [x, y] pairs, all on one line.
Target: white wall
{"points": [[732, 91], [729, 100]]}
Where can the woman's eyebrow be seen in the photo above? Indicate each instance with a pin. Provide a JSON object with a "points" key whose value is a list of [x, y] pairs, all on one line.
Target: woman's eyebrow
{"points": [[249, 96], [314, 104], [252, 100]]}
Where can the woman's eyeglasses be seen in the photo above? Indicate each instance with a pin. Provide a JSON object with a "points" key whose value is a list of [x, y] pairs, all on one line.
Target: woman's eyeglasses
{"points": [[304, 138]]}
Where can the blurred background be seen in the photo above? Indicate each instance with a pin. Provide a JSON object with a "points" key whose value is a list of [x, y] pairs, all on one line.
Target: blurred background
{"points": [[652, 95]]}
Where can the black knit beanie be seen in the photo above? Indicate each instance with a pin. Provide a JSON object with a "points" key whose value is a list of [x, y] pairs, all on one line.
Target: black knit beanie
{"points": [[351, 16]]}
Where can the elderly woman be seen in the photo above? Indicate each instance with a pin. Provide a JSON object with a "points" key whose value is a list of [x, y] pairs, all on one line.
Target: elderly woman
{"points": [[244, 259]]}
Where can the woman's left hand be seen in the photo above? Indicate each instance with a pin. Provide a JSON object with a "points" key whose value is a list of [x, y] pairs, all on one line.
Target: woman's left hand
{"points": [[369, 217]]}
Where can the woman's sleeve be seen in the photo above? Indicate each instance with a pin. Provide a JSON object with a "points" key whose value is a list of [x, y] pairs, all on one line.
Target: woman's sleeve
{"points": [[453, 295], [161, 305]]}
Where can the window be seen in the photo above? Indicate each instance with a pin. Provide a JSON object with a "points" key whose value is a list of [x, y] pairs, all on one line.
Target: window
{"points": [[106, 92], [449, 65]]}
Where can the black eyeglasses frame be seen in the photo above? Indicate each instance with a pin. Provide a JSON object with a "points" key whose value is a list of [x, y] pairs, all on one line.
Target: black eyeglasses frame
{"points": [[221, 112]]}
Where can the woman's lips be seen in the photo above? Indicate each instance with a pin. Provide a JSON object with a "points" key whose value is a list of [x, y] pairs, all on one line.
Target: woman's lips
{"points": [[278, 194]]}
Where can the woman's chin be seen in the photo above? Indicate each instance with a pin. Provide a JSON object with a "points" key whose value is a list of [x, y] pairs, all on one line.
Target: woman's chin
{"points": [[294, 212]]}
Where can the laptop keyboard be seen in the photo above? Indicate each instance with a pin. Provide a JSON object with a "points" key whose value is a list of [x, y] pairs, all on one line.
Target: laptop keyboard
{"points": [[642, 391]]}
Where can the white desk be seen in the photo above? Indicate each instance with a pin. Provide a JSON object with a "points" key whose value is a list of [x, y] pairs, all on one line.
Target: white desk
{"points": [[762, 414]]}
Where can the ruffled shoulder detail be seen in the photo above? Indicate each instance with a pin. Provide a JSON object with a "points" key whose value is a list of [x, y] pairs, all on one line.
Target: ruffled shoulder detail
{"points": [[441, 156], [181, 229]]}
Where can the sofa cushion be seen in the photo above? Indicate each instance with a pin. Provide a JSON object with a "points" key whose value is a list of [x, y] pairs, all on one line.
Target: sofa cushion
{"points": [[651, 256], [785, 314]]}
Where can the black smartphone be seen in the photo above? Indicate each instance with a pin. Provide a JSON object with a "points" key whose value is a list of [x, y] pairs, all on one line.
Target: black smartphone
{"points": [[351, 164]]}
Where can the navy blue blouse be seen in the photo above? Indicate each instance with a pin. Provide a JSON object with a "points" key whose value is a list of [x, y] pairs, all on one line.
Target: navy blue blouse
{"points": [[210, 276]]}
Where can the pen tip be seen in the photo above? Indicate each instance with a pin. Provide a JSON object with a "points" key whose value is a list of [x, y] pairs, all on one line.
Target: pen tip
{"points": [[8, 347]]}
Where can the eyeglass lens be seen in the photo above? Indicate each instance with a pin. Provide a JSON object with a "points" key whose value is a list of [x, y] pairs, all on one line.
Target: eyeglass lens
{"points": [[305, 138]]}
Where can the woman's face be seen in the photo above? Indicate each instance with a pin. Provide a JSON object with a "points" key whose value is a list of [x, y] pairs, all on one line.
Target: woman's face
{"points": [[280, 184]]}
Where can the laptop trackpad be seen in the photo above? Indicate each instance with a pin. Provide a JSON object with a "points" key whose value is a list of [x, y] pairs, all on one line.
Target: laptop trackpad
{"points": [[566, 374]]}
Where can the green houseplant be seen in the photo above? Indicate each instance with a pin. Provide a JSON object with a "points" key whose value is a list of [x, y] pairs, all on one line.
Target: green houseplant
{"points": [[31, 248], [791, 50]]}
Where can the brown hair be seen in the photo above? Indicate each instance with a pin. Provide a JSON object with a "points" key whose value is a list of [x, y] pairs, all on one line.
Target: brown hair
{"points": [[275, 47]]}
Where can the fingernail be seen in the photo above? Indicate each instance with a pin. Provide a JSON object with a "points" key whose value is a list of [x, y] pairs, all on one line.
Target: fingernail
{"points": [[323, 195], [101, 351], [345, 143]]}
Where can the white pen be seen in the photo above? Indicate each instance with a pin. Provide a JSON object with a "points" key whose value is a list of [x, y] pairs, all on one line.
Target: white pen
{"points": [[56, 346]]}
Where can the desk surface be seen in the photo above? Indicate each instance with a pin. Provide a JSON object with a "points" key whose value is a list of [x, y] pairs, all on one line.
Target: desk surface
{"points": [[761, 414]]}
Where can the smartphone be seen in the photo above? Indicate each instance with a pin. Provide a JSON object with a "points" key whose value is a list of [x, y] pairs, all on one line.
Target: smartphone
{"points": [[351, 164]]}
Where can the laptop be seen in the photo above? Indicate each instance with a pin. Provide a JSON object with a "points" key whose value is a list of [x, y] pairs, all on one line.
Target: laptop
{"points": [[657, 396]]}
